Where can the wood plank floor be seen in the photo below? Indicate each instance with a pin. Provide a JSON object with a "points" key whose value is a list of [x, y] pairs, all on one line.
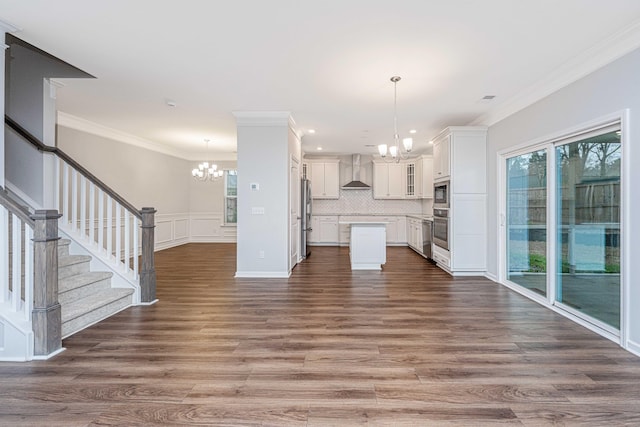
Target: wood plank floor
{"points": [[406, 346]]}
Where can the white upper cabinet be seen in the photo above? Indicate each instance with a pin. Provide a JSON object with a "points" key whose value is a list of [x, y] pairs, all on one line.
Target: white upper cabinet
{"points": [[442, 157], [424, 177], [388, 180], [408, 179], [411, 184], [325, 179]]}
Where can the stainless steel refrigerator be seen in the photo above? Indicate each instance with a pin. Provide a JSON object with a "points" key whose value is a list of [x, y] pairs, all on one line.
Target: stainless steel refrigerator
{"points": [[305, 212]]}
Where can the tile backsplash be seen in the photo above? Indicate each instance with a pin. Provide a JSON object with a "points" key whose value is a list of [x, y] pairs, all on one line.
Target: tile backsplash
{"points": [[362, 202]]}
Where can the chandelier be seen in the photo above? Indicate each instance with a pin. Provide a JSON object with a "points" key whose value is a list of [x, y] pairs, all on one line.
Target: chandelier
{"points": [[395, 151], [207, 171]]}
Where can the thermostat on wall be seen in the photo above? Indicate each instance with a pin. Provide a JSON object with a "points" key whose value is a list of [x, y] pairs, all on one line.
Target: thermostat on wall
{"points": [[255, 186]]}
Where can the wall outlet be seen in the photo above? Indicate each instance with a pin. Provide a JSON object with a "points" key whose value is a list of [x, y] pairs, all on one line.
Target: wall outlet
{"points": [[261, 254]]}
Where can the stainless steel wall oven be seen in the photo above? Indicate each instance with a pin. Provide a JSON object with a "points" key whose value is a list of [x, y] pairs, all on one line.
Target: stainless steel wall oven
{"points": [[441, 228]]}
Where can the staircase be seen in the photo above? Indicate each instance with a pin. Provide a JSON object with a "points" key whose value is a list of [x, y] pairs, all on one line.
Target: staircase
{"points": [[86, 297], [47, 294]]}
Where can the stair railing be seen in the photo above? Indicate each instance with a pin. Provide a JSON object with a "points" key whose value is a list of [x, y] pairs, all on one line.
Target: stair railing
{"points": [[104, 221], [29, 273], [16, 258]]}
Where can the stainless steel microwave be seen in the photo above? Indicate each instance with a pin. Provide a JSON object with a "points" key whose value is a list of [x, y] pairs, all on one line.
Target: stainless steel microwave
{"points": [[441, 195]]}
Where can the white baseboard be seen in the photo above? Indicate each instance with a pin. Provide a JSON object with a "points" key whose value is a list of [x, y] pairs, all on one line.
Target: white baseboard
{"points": [[262, 274], [491, 276], [468, 273], [633, 347]]}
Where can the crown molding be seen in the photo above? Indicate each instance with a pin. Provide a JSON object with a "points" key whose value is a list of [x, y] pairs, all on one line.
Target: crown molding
{"points": [[8, 28], [5, 27], [603, 53], [267, 118], [264, 118], [83, 125]]}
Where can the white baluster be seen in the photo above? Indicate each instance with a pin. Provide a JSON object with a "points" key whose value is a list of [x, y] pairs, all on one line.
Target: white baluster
{"points": [[136, 250], [74, 200], [57, 183], [28, 273], [100, 219], [83, 207], [4, 254], [92, 214], [118, 234], [109, 235], [127, 242], [17, 267], [65, 194]]}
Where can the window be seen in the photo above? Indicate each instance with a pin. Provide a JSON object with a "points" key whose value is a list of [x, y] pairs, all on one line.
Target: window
{"points": [[231, 196]]}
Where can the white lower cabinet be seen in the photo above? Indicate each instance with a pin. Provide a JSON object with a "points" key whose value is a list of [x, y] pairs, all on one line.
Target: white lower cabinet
{"points": [[395, 228], [441, 256], [414, 234], [324, 229]]}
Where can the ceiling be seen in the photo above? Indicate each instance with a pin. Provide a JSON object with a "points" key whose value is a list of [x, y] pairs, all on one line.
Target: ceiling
{"points": [[328, 62]]}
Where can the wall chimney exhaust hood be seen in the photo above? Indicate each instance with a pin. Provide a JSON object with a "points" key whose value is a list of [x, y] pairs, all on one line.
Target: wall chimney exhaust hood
{"points": [[355, 183]]}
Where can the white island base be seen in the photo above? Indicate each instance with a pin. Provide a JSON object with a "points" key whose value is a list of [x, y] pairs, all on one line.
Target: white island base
{"points": [[368, 245]]}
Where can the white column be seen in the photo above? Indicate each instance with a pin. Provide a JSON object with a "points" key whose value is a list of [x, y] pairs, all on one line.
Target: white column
{"points": [[4, 29], [263, 193], [49, 166]]}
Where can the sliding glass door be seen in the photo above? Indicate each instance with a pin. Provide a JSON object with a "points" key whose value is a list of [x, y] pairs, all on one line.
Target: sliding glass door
{"points": [[562, 221], [527, 221], [588, 227]]}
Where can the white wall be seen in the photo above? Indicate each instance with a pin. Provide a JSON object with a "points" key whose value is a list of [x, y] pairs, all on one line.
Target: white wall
{"points": [[188, 210], [263, 159], [611, 89], [142, 177]]}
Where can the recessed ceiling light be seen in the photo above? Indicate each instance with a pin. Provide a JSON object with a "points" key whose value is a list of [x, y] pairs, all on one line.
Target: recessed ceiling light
{"points": [[413, 131], [312, 131], [319, 148], [488, 97], [370, 145], [171, 103], [431, 142]]}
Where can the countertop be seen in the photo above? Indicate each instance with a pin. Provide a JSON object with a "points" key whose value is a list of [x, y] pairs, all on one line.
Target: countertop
{"points": [[422, 217], [363, 222], [416, 215]]}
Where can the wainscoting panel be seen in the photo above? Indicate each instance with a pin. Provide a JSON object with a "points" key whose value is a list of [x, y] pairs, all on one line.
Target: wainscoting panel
{"points": [[163, 232], [181, 228], [178, 229], [205, 228]]}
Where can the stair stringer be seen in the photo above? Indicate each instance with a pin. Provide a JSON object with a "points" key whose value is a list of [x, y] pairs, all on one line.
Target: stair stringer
{"points": [[100, 262]]}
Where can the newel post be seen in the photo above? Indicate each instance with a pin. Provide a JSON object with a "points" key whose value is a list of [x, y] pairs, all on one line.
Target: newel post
{"points": [[148, 270], [46, 315]]}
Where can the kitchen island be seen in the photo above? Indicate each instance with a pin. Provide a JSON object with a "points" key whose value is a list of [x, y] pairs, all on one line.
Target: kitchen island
{"points": [[367, 245]]}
